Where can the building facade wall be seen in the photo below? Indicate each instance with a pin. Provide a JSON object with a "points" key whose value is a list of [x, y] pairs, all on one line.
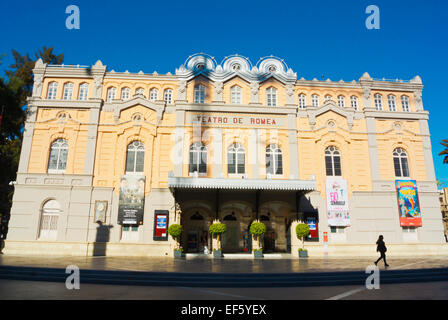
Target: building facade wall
{"points": [[98, 131]]}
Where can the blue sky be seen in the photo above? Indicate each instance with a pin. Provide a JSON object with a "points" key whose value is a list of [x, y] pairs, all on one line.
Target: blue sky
{"points": [[315, 38]]}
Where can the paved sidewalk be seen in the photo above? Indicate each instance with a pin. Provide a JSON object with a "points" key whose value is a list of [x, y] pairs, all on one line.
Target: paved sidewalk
{"points": [[205, 265]]}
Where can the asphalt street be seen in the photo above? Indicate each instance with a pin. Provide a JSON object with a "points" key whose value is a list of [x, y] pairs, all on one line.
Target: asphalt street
{"points": [[36, 290]]}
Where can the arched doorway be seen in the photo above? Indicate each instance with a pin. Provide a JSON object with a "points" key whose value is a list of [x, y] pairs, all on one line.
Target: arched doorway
{"points": [[231, 240], [48, 228], [195, 236]]}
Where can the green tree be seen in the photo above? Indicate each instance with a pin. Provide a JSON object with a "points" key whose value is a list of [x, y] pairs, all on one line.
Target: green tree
{"points": [[444, 152], [21, 71], [15, 87]]}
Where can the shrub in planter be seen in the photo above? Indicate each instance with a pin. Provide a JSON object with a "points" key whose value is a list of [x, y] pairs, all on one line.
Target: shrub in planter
{"points": [[257, 229], [302, 231], [175, 230], [217, 229]]}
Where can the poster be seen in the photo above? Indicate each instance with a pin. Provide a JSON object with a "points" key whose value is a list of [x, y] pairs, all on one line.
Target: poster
{"points": [[408, 204], [337, 202], [132, 199], [161, 225]]}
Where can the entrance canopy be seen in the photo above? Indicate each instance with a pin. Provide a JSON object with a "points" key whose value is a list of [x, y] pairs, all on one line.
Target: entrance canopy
{"points": [[241, 184]]}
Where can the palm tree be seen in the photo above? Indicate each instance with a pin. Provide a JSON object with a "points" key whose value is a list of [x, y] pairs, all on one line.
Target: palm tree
{"points": [[444, 152]]}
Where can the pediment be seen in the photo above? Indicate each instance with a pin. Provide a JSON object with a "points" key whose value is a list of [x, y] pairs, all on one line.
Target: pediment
{"points": [[158, 106], [331, 106]]}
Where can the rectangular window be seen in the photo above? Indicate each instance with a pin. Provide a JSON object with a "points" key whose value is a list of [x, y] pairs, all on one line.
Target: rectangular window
{"points": [[337, 166], [130, 162], [328, 165], [231, 165]]}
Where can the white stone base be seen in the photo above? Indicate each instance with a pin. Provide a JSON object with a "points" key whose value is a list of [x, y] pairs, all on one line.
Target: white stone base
{"points": [[87, 249], [315, 250]]}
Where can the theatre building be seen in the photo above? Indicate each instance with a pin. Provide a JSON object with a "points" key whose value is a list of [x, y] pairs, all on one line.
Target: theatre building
{"points": [[111, 159]]}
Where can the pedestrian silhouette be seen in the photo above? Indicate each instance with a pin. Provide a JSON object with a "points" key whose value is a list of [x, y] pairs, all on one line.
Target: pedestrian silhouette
{"points": [[381, 248]]}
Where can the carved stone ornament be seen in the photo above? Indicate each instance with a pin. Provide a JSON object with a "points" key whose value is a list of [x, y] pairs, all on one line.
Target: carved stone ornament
{"points": [[182, 86], [289, 89], [254, 88], [219, 87]]}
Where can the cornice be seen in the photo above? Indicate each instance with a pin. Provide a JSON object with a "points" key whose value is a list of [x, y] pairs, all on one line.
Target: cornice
{"points": [[236, 108], [69, 104]]}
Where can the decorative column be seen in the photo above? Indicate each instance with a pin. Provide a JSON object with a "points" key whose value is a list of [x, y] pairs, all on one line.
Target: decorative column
{"points": [[429, 163], [27, 137], [39, 73], [218, 96], [293, 147], [290, 95], [254, 99]]}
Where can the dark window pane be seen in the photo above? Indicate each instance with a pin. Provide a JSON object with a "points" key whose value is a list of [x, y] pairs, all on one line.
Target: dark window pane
{"points": [[397, 167], [337, 166], [328, 166], [130, 161], [140, 161], [241, 168], [269, 165], [53, 162], [404, 165], [279, 164]]}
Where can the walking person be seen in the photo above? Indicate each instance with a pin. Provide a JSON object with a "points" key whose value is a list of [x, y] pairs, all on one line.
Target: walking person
{"points": [[381, 248]]}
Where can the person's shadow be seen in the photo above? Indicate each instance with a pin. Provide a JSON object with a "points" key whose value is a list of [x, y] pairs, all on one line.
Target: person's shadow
{"points": [[102, 238]]}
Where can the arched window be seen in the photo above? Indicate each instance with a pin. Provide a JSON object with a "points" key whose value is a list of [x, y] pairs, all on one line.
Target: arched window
{"points": [[236, 159], [271, 97], [111, 94], [378, 102], [354, 102], [83, 91], [405, 103], [196, 216], [332, 161], [235, 95], [153, 94], [135, 157], [168, 96], [302, 101], [341, 101], [327, 98], [315, 100], [230, 217], [140, 91], [125, 94], [49, 220], [401, 163], [52, 90], [274, 160], [68, 91], [198, 158], [391, 102], [199, 94], [58, 156]]}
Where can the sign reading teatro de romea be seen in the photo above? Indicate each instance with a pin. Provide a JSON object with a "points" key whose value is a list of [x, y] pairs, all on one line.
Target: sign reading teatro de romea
{"points": [[236, 120]]}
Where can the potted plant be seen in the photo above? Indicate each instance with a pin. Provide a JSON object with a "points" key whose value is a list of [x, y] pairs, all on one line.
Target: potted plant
{"points": [[175, 230], [217, 229], [258, 229], [302, 231]]}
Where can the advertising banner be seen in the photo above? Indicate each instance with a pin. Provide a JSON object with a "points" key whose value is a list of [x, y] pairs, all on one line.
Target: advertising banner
{"points": [[161, 225], [337, 202], [408, 204], [132, 199]]}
